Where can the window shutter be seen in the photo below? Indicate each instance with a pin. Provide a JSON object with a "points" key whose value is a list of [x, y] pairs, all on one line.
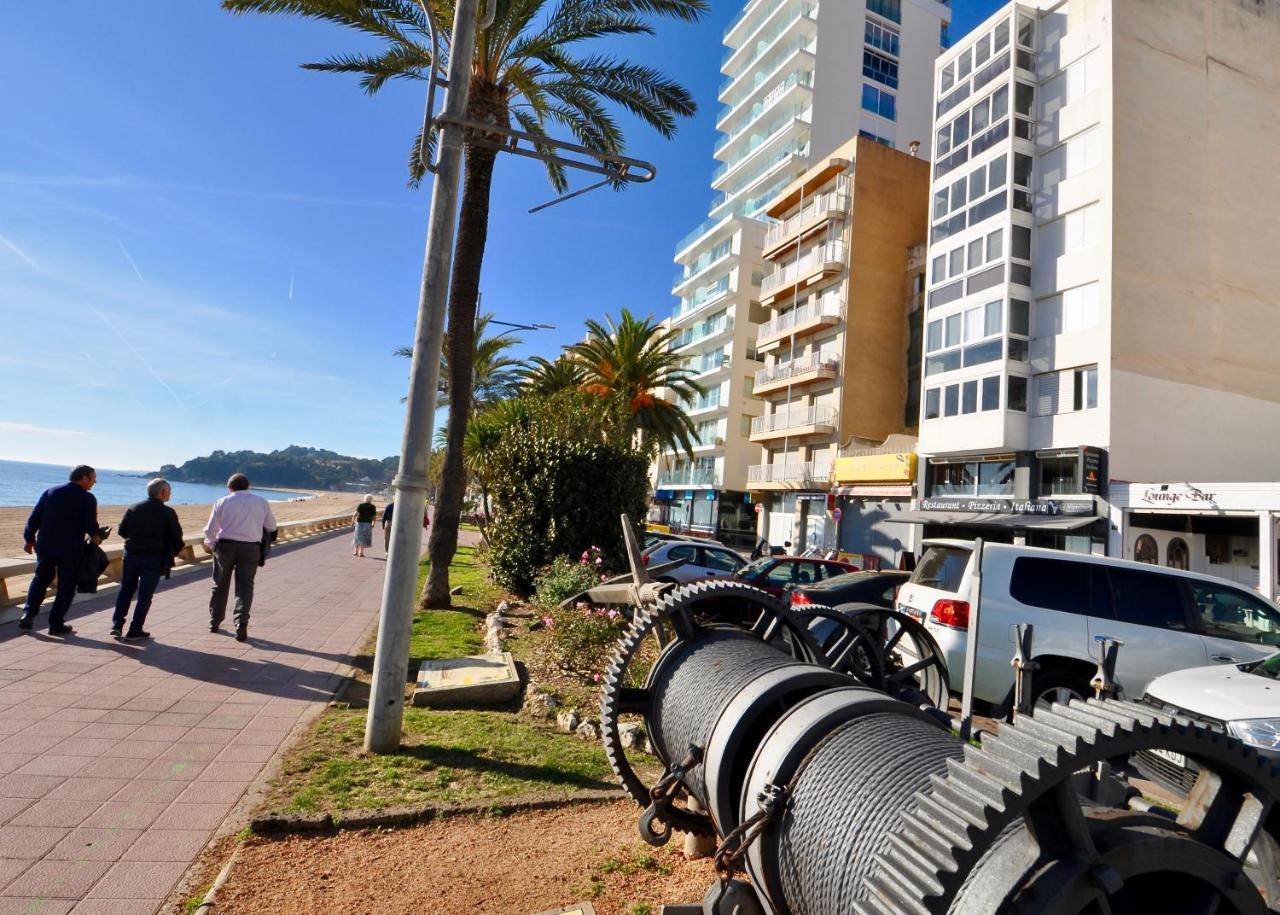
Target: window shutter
{"points": [[1047, 394]]}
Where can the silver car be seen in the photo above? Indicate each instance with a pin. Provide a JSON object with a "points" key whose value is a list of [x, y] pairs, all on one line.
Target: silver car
{"points": [[702, 560]]}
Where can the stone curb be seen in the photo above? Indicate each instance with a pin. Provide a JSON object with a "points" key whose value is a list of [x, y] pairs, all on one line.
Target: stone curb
{"points": [[283, 824]]}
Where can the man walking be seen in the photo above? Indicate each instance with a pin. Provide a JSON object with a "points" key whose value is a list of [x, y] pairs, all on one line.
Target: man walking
{"points": [[63, 517], [387, 514], [234, 536], [152, 538]]}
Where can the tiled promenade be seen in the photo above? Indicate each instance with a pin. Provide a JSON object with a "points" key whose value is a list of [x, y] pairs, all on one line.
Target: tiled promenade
{"points": [[119, 760]]}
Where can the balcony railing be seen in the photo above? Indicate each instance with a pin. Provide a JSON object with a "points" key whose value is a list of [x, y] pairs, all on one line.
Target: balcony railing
{"points": [[836, 201], [794, 419], [812, 363], [830, 253], [701, 332], [765, 105], [688, 476], [796, 116], [808, 472], [764, 43], [828, 306]]}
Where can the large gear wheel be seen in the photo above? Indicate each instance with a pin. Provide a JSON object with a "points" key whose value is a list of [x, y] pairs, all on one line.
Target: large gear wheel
{"points": [[688, 612], [1005, 830]]}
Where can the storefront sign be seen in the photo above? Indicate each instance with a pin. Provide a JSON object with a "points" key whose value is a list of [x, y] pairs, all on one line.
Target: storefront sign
{"points": [[1175, 495], [1049, 507], [899, 467], [1092, 470]]}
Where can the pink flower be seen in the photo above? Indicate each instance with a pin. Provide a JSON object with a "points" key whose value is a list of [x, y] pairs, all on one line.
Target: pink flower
{"points": [[599, 560], [595, 678], [614, 614], [548, 622]]}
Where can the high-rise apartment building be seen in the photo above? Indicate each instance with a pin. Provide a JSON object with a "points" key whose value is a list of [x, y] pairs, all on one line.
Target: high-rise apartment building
{"points": [[1102, 286], [800, 78], [836, 343]]}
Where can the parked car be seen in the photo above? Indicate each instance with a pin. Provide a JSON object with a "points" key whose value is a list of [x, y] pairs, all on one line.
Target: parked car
{"points": [[1167, 619], [775, 573], [652, 538], [1241, 699], [878, 588], [703, 559]]}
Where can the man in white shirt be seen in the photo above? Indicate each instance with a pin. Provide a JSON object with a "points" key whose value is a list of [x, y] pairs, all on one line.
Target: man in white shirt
{"points": [[234, 535]]}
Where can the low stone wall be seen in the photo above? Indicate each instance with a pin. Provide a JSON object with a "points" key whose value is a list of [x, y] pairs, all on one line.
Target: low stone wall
{"points": [[15, 574]]}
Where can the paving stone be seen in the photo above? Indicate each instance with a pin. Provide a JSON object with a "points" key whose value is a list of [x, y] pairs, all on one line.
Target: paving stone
{"points": [[94, 844], [54, 812], [58, 879], [93, 906], [87, 788], [168, 845], [470, 682], [139, 879]]}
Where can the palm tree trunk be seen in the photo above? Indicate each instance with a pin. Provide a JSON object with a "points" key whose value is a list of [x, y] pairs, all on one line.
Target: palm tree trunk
{"points": [[473, 231]]}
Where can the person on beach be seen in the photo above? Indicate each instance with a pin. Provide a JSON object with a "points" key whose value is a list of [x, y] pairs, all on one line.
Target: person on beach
{"points": [[152, 538], [386, 523], [61, 520], [234, 536], [366, 511]]}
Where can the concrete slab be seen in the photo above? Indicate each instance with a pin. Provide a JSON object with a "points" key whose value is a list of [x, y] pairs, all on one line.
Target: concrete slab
{"points": [[478, 680], [581, 908]]}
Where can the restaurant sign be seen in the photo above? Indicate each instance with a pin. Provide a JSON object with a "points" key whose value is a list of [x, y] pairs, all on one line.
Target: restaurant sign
{"points": [[1047, 507], [898, 467], [1176, 495]]}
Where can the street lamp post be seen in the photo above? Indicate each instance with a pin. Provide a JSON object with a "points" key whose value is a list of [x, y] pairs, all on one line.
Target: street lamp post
{"points": [[395, 621]]}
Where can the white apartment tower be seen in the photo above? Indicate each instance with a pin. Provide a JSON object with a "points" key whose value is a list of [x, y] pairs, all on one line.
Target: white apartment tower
{"points": [[1102, 292], [800, 79]]}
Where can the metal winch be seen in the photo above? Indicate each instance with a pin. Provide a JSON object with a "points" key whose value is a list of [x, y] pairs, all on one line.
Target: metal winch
{"points": [[835, 784]]}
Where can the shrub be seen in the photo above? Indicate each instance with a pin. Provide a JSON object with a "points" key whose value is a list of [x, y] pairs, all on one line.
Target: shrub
{"points": [[582, 638], [566, 577]]}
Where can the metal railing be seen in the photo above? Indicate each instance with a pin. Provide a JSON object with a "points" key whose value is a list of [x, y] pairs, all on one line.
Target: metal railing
{"points": [[829, 306], [764, 45], [765, 105], [830, 253], [802, 366], [701, 332], [797, 116], [834, 201], [809, 472], [688, 476], [794, 419]]}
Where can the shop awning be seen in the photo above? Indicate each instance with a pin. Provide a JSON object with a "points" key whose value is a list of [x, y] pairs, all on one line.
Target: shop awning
{"points": [[999, 520]]}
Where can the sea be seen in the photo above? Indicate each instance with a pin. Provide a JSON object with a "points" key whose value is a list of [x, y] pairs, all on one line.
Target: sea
{"points": [[22, 483]]}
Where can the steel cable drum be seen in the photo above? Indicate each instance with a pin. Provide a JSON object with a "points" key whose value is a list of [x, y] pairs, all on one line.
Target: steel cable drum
{"points": [[850, 761], [693, 683]]}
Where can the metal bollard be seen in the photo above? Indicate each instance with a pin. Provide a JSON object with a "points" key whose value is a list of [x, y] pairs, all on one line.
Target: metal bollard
{"points": [[1023, 668]]}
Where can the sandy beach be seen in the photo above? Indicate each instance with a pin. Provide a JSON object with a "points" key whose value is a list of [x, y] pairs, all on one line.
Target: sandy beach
{"points": [[193, 517]]}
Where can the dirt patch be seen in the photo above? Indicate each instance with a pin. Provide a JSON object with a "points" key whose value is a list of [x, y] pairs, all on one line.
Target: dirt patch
{"points": [[512, 865]]}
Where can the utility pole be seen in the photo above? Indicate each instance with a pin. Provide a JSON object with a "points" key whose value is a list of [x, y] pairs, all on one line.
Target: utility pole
{"points": [[395, 621]]}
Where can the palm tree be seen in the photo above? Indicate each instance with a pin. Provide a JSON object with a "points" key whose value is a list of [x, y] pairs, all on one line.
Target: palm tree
{"points": [[525, 71], [546, 377], [494, 376], [631, 362]]}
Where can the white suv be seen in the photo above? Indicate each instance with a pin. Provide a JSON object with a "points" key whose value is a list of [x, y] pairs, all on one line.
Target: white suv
{"points": [[1167, 619]]}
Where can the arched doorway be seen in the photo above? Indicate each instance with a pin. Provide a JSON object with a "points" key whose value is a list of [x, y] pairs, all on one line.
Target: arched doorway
{"points": [[1146, 550], [1178, 554]]}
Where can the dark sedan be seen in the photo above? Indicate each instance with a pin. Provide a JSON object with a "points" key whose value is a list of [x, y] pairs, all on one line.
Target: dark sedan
{"points": [[776, 573], [876, 588]]}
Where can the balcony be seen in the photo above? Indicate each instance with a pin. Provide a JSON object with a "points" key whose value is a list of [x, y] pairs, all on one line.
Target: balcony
{"points": [[761, 163], [796, 85], [750, 94], [814, 215], [700, 332], [826, 311], [795, 373], [813, 474], [794, 423], [688, 476], [793, 277], [737, 61]]}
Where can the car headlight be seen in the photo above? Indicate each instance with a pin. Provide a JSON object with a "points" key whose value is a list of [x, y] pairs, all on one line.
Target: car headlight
{"points": [[1257, 732]]}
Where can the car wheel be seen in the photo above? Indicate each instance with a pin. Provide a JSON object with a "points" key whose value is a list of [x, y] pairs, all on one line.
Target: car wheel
{"points": [[1060, 686]]}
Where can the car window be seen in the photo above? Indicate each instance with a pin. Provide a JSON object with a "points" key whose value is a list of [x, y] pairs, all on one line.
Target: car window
{"points": [[1227, 613], [720, 560], [682, 552], [941, 567], [755, 568], [1051, 584], [890, 593], [782, 574], [1147, 599]]}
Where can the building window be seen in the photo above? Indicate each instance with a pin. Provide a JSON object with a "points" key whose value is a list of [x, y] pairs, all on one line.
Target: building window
{"points": [[1146, 550], [882, 37], [1058, 476], [1017, 393], [1177, 556], [969, 397], [883, 141], [1020, 317], [1021, 243], [1086, 388], [889, 9], [991, 393], [931, 400], [951, 399], [974, 478], [880, 68], [879, 102]]}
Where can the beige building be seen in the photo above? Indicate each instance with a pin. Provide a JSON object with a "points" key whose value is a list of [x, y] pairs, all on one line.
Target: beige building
{"points": [[841, 283]]}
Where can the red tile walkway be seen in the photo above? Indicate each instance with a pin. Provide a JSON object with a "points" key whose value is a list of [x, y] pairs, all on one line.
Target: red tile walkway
{"points": [[118, 760]]}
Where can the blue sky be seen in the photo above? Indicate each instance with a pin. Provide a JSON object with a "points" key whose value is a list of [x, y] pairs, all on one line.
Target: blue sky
{"points": [[203, 246]]}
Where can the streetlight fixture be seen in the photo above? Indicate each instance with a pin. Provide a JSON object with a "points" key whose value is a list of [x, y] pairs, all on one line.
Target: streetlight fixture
{"points": [[523, 326]]}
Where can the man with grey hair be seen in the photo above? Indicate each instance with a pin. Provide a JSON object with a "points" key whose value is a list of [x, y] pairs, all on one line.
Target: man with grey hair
{"points": [[152, 538]]}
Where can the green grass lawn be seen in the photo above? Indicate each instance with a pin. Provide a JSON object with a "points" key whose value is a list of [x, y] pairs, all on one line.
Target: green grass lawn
{"points": [[446, 756]]}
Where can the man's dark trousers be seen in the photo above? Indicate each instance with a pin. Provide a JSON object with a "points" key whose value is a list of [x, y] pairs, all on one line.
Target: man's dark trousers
{"points": [[67, 568], [141, 574], [239, 559]]}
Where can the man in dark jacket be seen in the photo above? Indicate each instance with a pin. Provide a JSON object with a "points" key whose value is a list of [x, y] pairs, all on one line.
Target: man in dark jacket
{"points": [[152, 538], [63, 517]]}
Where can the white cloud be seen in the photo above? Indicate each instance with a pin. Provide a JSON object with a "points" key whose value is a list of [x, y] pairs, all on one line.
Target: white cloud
{"points": [[28, 429]]}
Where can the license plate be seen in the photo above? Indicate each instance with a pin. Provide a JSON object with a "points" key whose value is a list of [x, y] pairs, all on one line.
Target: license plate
{"points": [[1176, 758]]}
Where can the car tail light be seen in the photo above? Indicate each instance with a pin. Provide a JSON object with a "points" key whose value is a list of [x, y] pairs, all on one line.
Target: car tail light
{"points": [[799, 599], [953, 613], [644, 559]]}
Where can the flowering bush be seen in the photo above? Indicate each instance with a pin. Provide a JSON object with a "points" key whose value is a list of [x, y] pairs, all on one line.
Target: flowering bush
{"points": [[582, 637], [566, 577]]}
